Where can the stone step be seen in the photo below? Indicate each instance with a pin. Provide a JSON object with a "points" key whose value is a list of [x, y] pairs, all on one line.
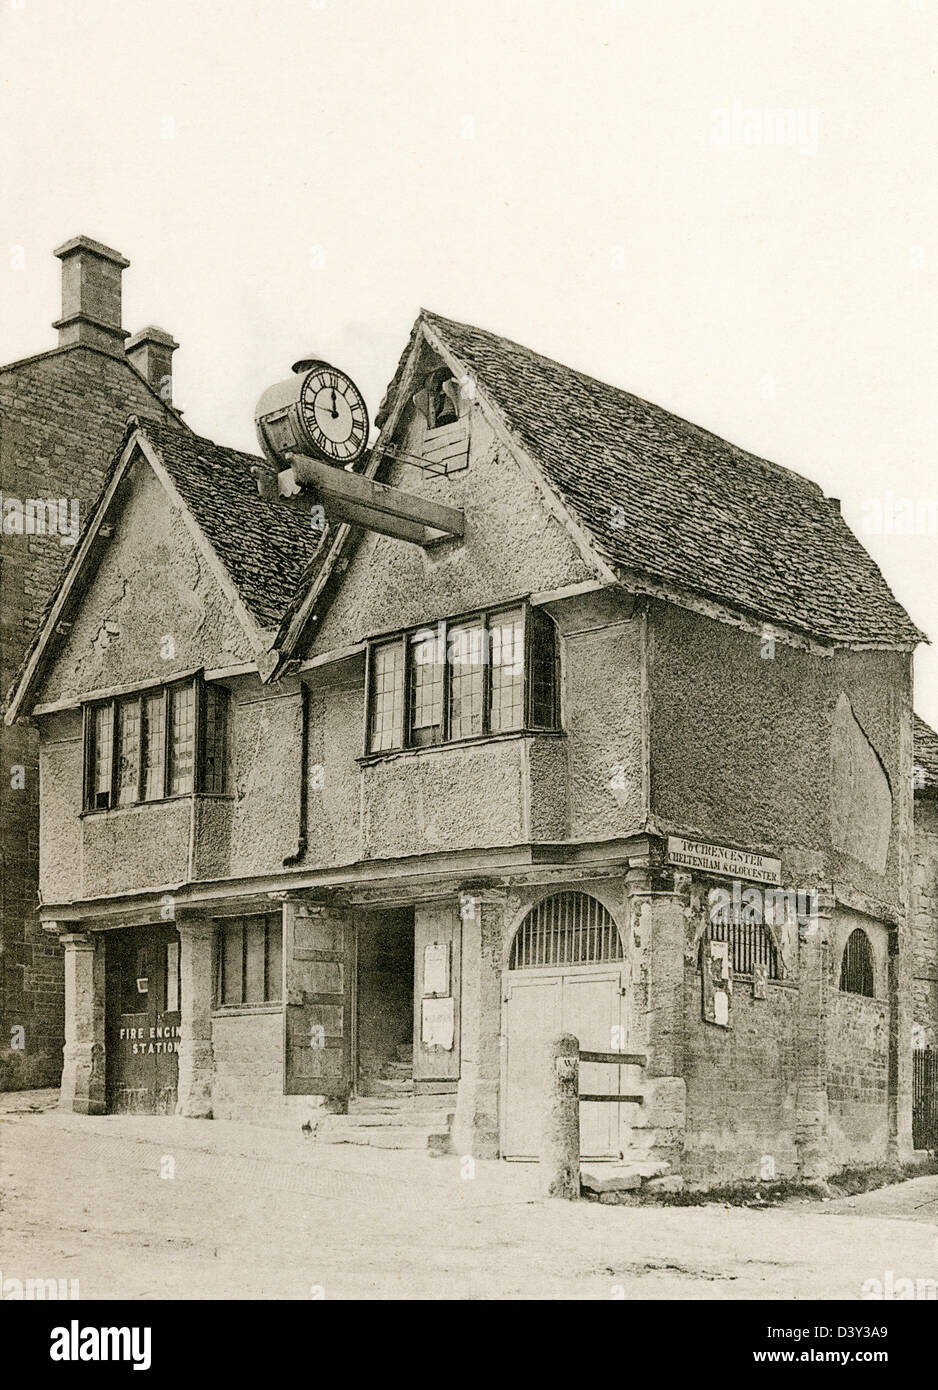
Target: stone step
{"points": [[410, 1119], [422, 1130], [387, 1086], [400, 1105], [627, 1176]]}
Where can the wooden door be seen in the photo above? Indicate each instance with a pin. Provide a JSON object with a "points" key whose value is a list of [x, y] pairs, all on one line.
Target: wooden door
{"points": [[592, 1012], [437, 966], [319, 964], [143, 1018], [534, 1012]]}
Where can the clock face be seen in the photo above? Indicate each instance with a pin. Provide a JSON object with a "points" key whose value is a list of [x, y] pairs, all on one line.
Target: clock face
{"points": [[334, 414]]}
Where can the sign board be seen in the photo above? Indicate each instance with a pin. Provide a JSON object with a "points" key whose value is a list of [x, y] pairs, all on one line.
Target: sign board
{"points": [[720, 859], [438, 1023], [436, 968]]}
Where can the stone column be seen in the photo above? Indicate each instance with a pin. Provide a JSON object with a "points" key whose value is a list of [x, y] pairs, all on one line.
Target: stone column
{"points": [[83, 1083], [814, 988], [196, 997], [475, 1127], [658, 910]]}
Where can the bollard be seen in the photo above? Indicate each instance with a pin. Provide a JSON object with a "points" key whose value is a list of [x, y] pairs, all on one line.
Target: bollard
{"points": [[560, 1135]]}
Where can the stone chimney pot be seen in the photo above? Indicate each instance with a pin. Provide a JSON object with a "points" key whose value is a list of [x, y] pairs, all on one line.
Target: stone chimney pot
{"points": [[91, 295]]}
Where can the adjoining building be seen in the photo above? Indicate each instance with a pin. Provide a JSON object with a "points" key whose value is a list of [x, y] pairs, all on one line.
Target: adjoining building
{"points": [[343, 821], [62, 416]]}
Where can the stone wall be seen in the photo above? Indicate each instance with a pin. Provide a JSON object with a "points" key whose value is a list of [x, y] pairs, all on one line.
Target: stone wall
{"points": [[924, 918], [248, 1074], [62, 416]]}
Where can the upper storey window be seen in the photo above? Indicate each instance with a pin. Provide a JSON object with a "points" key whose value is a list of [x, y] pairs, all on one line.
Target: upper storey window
{"points": [[486, 674], [156, 743]]}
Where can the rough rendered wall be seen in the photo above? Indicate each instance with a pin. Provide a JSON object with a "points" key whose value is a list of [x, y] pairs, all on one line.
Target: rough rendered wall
{"points": [[858, 1054], [924, 917], [512, 546], [61, 421], [152, 584], [265, 730], [739, 744]]}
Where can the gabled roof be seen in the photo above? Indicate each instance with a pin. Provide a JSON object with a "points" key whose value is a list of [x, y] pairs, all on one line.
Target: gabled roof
{"points": [[259, 549], [264, 544], [666, 499], [925, 757]]}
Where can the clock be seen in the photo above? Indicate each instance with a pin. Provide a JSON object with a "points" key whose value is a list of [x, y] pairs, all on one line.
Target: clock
{"points": [[319, 412], [334, 414]]}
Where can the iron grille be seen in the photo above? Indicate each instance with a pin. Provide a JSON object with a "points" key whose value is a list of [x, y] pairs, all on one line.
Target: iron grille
{"points": [[750, 945], [856, 970], [565, 929]]}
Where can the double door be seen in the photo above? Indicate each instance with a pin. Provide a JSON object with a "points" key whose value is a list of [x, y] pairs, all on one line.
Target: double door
{"points": [[143, 1018]]}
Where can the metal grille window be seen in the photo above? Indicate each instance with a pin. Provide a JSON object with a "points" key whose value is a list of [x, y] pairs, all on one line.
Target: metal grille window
{"points": [[181, 739], [250, 960], [154, 746], [856, 968], [387, 696], [494, 673], [426, 689], [467, 677], [160, 743], [215, 740], [751, 945], [128, 752], [565, 929]]}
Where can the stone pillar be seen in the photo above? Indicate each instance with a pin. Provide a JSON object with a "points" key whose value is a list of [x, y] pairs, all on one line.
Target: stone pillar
{"points": [[196, 995], [659, 917], [560, 1141], [83, 1082], [475, 1127], [814, 988]]}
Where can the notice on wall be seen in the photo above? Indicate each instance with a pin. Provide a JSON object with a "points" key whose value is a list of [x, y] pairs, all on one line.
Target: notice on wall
{"points": [[720, 859], [436, 968], [437, 1023]]}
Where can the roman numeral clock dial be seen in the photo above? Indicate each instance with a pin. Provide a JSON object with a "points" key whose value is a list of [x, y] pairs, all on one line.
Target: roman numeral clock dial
{"points": [[334, 415]]}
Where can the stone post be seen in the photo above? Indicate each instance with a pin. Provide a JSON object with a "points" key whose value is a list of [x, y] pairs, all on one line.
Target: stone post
{"points": [[814, 989], [475, 1127], [83, 1077], [560, 1135], [196, 1059], [659, 913]]}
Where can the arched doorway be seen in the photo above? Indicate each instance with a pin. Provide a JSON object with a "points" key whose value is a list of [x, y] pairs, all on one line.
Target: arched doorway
{"points": [[564, 975]]}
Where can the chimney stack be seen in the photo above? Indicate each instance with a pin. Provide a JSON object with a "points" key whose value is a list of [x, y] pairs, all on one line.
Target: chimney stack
{"points": [[91, 295], [151, 352]]}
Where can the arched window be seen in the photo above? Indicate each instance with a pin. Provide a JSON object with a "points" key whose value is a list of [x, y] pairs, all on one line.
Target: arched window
{"points": [[565, 929], [856, 969]]}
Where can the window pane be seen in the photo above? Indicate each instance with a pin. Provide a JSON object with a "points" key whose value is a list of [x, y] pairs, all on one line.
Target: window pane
{"points": [[543, 671], [506, 646], [182, 739], [254, 960], [274, 957], [232, 975], [387, 696], [128, 751], [102, 746], [216, 739], [467, 674], [154, 746], [426, 688]]}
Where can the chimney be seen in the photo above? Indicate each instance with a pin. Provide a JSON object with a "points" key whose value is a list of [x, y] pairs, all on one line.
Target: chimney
{"points": [[91, 295], [151, 352]]}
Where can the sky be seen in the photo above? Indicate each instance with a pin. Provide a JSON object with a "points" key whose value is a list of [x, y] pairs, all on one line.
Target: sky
{"points": [[728, 209]]}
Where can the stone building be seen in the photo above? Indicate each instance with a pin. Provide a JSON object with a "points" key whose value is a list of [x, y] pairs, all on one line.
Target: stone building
{"points": [[339, 826], [62, 416]]}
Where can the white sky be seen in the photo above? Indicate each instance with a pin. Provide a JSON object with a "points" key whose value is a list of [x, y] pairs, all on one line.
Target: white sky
{"points": [[545, 169]]}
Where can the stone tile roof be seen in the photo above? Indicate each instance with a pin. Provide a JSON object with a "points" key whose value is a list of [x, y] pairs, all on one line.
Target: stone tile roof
{"points": [[925, 756], [265, 545], [663, 497]]}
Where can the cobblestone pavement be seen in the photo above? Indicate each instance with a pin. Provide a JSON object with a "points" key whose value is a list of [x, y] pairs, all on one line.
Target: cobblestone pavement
{"points": [[147, 1207]]}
